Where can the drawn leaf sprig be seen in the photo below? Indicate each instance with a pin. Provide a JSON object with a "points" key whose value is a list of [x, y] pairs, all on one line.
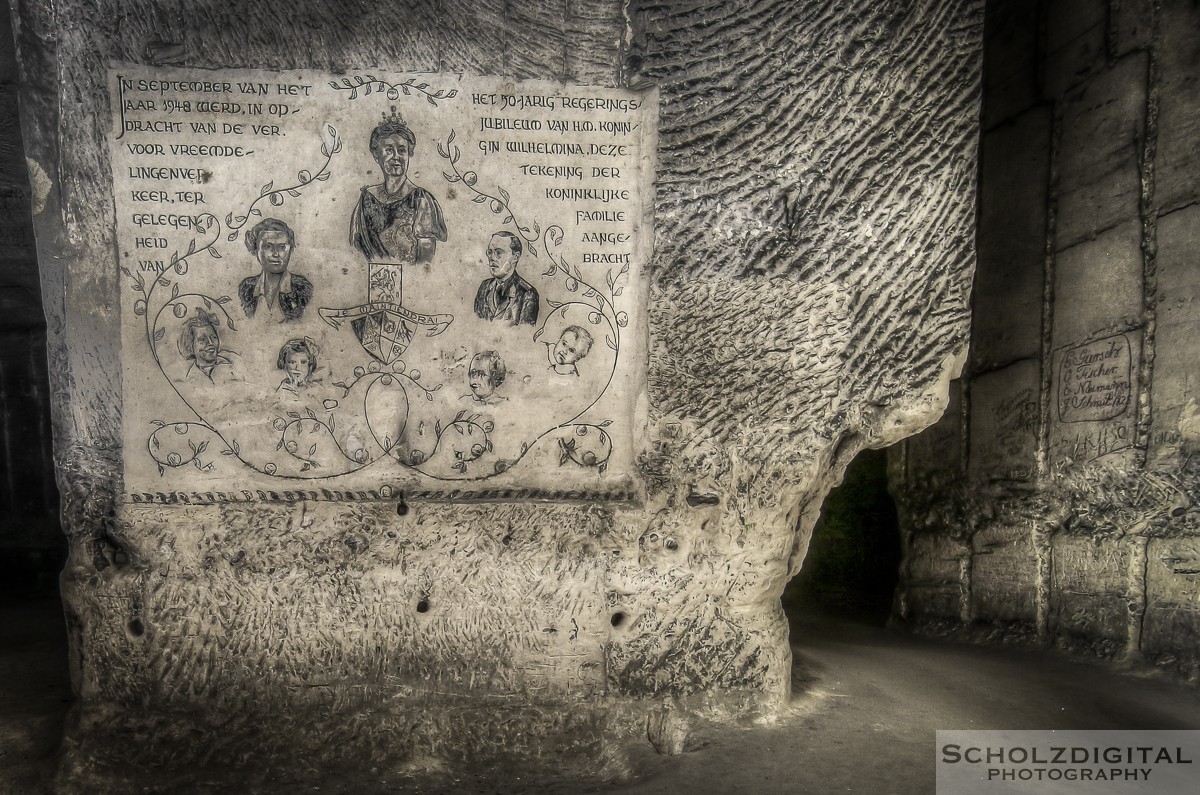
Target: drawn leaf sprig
{"points": [[368, 84], [275, 196], [499, 203]]}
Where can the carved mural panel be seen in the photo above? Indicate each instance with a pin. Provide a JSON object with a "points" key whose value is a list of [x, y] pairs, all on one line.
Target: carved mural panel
{"points": [[422, 283], [1094, 385]]}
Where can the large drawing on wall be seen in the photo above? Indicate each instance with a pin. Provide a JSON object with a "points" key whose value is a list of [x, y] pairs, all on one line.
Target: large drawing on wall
{"points": [[426, 284]]}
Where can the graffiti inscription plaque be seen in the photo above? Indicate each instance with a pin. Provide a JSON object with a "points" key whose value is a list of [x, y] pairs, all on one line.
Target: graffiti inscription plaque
{"points": [[428, 284], [1095, 384], [1095, 381]]}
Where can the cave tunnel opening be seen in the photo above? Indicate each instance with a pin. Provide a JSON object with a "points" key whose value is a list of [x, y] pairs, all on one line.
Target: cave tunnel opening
{"points": [[853, 561]]}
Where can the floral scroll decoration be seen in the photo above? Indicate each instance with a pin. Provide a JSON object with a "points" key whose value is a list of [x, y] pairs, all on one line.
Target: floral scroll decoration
{"points": [[498, 203], [175, 444], [587, 445], [179, 264], [590, 446], [599, 303], [275, 196], [466, 437]]}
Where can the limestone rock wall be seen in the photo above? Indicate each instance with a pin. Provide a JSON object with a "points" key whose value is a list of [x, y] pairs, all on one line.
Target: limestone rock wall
{"points": [[1056, 498], [807, 298]]}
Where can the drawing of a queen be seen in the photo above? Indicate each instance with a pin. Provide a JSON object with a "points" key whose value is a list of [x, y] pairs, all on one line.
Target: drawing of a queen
{"points": [[396, 221]]}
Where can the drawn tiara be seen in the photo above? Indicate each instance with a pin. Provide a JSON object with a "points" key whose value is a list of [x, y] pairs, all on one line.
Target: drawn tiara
{"points": [[394, 118]]}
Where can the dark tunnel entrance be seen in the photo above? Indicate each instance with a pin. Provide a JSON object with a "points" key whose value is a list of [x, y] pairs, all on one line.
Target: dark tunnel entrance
{"points": [[853, 562]]}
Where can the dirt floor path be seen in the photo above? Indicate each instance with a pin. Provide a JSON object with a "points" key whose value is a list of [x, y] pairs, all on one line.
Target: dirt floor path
{"points": [[868, 704], [867, 723]]}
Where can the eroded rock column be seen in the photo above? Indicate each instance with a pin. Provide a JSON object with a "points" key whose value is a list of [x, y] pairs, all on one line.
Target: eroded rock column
{"points": [[548, 558]]}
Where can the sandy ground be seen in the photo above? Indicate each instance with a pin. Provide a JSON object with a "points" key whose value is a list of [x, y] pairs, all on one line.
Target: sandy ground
{"points": [[868, 704], [876, 699]]}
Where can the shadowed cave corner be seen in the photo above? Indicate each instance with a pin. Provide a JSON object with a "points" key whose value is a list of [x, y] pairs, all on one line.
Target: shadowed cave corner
{"points": [[853, 562]]}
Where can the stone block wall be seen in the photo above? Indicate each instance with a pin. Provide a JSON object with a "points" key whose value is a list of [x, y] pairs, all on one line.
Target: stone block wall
{"points": [[1057, 499]]}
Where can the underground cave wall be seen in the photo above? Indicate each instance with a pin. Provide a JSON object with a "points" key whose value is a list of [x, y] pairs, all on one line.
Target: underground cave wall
{"points": [[31, 542], [773, 357], [1056, 498]]}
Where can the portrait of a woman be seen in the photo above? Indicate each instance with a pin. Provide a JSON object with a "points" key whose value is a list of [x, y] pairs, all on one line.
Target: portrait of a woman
{"points": [[396, 221]]}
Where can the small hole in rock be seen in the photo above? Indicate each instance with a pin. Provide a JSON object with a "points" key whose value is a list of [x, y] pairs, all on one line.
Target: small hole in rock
{"points": [[696, 499], [402, 508], [618, 619], [423, 606], [671, 543], [136, 628]]}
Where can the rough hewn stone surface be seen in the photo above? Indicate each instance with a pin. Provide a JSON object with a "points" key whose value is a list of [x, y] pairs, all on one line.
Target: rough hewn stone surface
{"points": [[1093, 549], [1011, 80], [1004, 419], [808, 298], [1006, 320], [1098, 179]]}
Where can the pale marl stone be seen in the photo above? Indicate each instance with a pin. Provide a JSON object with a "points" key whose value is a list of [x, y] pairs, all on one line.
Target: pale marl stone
{"points": [[470, 319], [807, 297], [1108, 567]]}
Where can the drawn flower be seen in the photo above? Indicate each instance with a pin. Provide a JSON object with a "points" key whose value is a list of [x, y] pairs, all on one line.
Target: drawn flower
{"points": [[566, 448]]}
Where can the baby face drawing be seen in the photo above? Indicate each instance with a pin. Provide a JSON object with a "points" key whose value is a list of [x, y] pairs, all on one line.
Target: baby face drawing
{"points": [[206, 344], [568, 349], [486, 374], [480, 378], [298, 365], [573, 344]]}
